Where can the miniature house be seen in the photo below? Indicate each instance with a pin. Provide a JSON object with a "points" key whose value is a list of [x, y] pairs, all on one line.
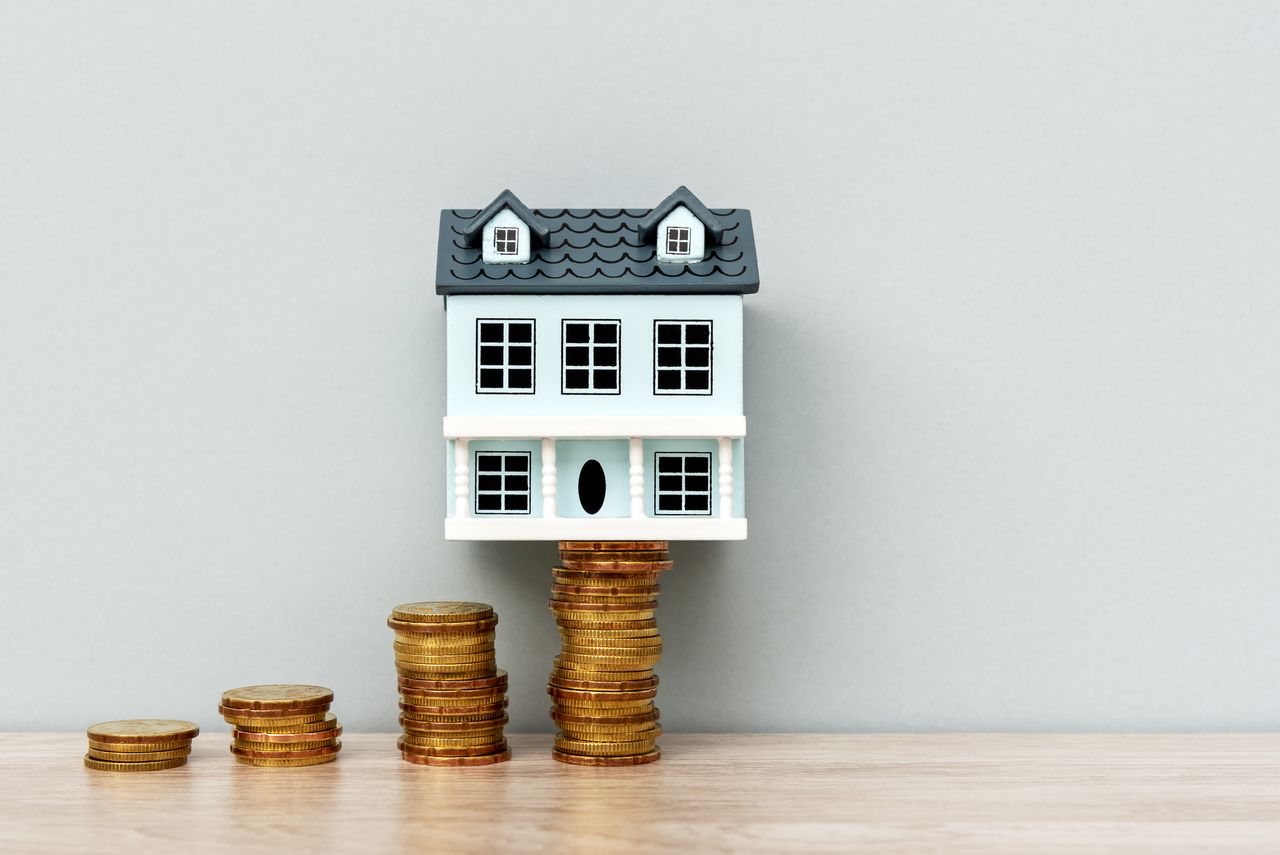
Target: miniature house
{"points": [[594, 370]]}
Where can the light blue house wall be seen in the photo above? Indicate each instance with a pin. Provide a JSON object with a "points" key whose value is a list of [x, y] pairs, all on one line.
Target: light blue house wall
{"points": [[637, 314]]}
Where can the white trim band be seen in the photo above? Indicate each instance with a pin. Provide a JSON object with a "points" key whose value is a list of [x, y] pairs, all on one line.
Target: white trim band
{"points": [[592, 528], [593, 427]]}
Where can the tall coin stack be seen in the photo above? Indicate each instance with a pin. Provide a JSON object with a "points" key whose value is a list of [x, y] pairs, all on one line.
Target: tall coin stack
{"points": [[281, 724], [139, 744], [453, 698], [602, 687]]}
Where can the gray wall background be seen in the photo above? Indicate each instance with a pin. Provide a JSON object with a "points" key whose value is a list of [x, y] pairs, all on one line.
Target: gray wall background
{"points": [[1012, 376]]}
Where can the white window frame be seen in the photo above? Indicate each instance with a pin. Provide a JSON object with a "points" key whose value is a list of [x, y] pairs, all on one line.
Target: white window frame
{"points": [[504, 473], [504, 364], [506, 236], [679, 236], [683, 492], [592, 347], [684, 347]]}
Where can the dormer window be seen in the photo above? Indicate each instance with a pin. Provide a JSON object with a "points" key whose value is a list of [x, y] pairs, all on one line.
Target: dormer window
{"points": [[506, 241], [677, 240]]}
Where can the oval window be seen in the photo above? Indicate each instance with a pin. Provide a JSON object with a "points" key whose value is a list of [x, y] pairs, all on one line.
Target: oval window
{"points": [[591, 486]]}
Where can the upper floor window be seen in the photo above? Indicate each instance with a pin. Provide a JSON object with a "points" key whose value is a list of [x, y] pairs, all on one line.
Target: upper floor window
{"points": [[682, 357], [677, 240], [504, 356], [590, 353], [506, 241]]}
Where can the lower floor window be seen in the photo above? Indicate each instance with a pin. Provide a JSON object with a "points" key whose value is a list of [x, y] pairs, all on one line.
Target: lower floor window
{"points": [[502, 482], [682, 483]]}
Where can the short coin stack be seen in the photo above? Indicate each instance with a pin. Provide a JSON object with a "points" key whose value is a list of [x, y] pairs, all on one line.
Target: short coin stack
{"points": [[139, 744], [281, 724], [453, 698], [602, 688]]}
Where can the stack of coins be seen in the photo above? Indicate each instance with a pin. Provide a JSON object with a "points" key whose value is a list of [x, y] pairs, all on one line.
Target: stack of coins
{"points": [[602, 688], [139, 744], [281, 725], [453, 698]]}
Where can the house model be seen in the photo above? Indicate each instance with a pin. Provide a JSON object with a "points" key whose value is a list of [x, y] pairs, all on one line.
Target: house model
{"points": [[594, 370]]}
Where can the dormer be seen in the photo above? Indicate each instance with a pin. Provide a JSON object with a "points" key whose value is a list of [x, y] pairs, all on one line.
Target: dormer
{"points": [[506, 231], [681, 228]]}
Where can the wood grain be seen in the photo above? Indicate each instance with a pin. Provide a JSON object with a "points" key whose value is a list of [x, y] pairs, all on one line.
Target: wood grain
{"points": [[741, 793]]}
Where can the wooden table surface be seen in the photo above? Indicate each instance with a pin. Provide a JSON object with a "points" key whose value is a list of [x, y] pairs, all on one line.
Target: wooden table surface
{"points": [[776, 793]]}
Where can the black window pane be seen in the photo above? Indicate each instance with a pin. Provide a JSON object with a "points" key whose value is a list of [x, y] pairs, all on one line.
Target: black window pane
{"points": [[517, 502], [668, 483], [606, 333], [606, 356], [697, 334], [491, 378], [520, 356], [669, 357], [489, 502], [491, 355], [488, 482], [696, 483], [697, 463], [697, 357], [607, 379], [696, 503], [577, 333], [517, 462], [669, 464], [577, 356], [520, 378], [521, 332], [699, 380], [668, 502], [668, 379], [668, 333], [576, 378], [518, 483], [488, 462]]}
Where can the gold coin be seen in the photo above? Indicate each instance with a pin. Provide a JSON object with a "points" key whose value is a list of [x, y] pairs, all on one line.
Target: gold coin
{"points": [[616, 565], [442, 612], [459, 728], [272, 723], [143, 730], [565, 622], [462, 628], [630, 554], [150, 766], [456, 751], [286, 738], [622, 581], [422, 740], [438, 672], [442, 649], [588, 696], [610, 732], [418, 711], [444, 658], [628, 760], [613, 714], [139, 747], [579, 683], [277, 696], [584, 675], [433, 702], [299, 761], [613, 545], [444, 639], [602, 599], [497, 681], [600, 649], [327, 723], [424, 721], [591, 661], [293, 754], [265, 747], [475, 760], [582, 746], [137, 756]]}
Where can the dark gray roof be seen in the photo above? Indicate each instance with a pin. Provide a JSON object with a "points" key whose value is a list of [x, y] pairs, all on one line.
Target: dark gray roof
{"points": [[598, 251], [472, 234]]}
